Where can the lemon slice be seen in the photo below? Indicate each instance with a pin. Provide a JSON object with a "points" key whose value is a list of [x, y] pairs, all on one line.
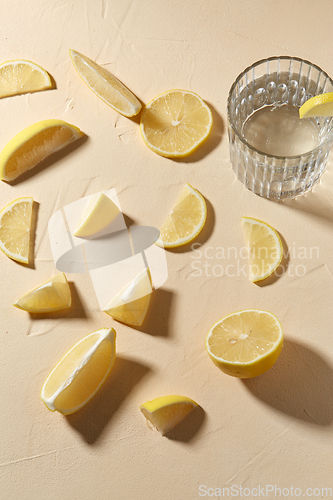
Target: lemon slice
{"points": [[131, 304], [80, 373], [166, 412], [176, 123], [105, 85], [265, 248], [33, 144], [319, 105], [22, 77], [51, 295], [99, 212], [185, 221], [15, 229], [246, 343]]}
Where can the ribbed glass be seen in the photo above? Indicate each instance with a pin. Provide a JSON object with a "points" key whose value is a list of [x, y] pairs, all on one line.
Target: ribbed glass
{"points": [[274, 82]]}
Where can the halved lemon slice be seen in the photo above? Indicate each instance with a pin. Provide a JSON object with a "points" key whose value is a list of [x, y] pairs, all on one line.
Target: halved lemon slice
{"points": [[245, 344], [319, 105], [22, 77], [105, 85], [15, 229], [176, 123], [185, 221], [51, 295], [33, 144], [166, 412], [265, 248], [99, 212], [80, 373], [131, 304]]}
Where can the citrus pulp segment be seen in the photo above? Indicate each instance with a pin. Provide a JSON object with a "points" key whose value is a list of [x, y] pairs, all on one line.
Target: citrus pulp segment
{"points": [[245, 344], [34, 144], [185, 221], [80, 373], [21, 77], [176, 123], [15, 229], [52, 295], [108, 88], [99, 212], [166, 412]]}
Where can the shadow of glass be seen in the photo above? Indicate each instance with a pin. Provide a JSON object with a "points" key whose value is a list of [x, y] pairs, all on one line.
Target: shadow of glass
{"points": [[49, 161], [92, 419], [204, 234], [299, 385], [282, 267], [76, 310], [158, 316], [187, 429]]}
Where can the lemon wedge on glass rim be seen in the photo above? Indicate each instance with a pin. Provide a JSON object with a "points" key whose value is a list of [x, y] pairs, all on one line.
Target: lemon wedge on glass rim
{"points": [[166, 412], [21, 77], [33, 144], [15, 229], [175, 123], [185, 221], [245, 344], [319, 105], [264, 246], [80, 373]]}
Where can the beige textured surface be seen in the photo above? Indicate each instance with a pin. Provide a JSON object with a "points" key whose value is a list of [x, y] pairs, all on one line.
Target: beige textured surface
{"points": [[273, 430]]}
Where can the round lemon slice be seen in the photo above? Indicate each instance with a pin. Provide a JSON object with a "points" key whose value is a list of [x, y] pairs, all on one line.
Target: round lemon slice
{"points": [[185, 221], [15, 229], [166, 412], [265, 248], [80, 373], [319, 105], [176, 123], [22, 77], [33, 144], [52, 295], [108, 88], [245, 344]]}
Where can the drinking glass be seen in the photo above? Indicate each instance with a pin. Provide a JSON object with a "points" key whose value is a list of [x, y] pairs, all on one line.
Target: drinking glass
{"points": [[278, 82]]}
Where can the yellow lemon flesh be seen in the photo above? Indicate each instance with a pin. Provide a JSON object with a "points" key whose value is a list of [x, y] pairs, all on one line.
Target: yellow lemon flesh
{"points": [[15, 229], [245, 344], [22, 77], [34, 144], [80, 373], [319, 105], [52, 295], [166, 412], [176, 123], [99, 212], [265, 248], [108, 88], [131, 304], [185, 221]]}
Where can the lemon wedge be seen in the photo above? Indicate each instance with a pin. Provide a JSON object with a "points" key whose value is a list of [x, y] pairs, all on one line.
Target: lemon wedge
{"points": [[131, 304], [15, 229], [33, 144], [175, 123], [22, 77], [185, 221], [245, 344], [80, 373], [108, 88], [166, 412], [319, 105], [265, 248], [99, 212], [51, 295]]}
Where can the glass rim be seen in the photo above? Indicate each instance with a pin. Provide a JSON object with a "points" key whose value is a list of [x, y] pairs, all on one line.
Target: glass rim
{"points": [[241, 75]]}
